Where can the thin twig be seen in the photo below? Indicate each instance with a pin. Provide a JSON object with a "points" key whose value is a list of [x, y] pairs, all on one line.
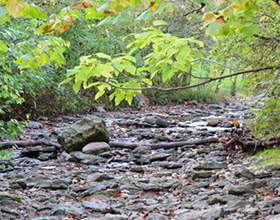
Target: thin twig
{"points": [[272, 83], [213, 61], [266, 31]]}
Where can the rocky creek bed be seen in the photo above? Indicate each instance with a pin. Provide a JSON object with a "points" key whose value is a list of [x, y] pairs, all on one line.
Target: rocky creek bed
{"points": [[190, 182]]}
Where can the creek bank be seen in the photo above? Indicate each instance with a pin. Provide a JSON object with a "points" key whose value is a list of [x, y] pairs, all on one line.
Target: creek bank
{"points": [[187, 182]]}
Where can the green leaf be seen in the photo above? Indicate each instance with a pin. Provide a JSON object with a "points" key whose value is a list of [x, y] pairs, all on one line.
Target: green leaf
{"points": [[147, 15], [183, 54], [58, 57], [179, 66], [3, 46], [119, 96], [72, 72], [105, 56], [77, 86], [83, 73], [122, 19], [213, 28], [65, 81], [249, 30], [167, 73], [3, 12], [92, 84], [159, 22], [130, 68], [43, 59], [35, 12], [103, 69], [99, 94]]}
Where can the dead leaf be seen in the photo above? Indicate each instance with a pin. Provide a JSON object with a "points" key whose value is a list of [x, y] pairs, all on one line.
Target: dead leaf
{"points": [[209, 16], [111, 11], [220, 20], [86, 4], [77, 5], [152, 6], [65, 27], [116, 194]]}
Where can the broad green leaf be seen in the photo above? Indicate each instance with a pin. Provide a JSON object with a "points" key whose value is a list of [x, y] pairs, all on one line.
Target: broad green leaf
{"points": [[84, 59], [3, 46], [159, 22], [200, 43], [119, 96], [83, 74], [58, 57], [105, 56], [130, 58], [77, 86], [72, 72], [43, 59], [120, 67], [198, 53], [167, 73], [16, 7], [179, 66], [92, 84], [147, 15], [35, 12], [99, 94], [249, 30], [122, 19], [214, 28], [183, 54], [130, 68], [3, 12], [103, 69], [65, 81]]}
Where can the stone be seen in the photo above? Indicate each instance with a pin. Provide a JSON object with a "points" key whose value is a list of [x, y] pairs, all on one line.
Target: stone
{"points": [[156, 216], [7, 199], [161, 123], [210, 214], [239, 190], [96, 148], [200, 174], [59, 184], [224, 199], [211, 166], [79, 156], [89, 129], [100, 109], [142, 150], [117, 217], [35, 151], [99, 177], [97, 207], [68, 208], [151, 187], [245, 173]]}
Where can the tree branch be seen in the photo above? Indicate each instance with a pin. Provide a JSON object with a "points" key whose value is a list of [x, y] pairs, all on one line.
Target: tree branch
{"points": [[194, 85]]}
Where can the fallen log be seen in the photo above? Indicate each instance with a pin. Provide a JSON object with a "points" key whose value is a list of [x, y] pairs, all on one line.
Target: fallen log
{"points": [[25, 143], [249, 144], [163, 145]]}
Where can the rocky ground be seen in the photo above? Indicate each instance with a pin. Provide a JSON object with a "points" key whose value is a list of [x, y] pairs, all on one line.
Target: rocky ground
{"points": [[191, 182]]}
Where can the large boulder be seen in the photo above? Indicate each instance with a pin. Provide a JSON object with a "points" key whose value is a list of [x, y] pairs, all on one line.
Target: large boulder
{"points": [[89, 129]]}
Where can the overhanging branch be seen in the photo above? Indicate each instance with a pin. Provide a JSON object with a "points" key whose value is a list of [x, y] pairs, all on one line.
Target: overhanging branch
{"points": [[194, 85]]}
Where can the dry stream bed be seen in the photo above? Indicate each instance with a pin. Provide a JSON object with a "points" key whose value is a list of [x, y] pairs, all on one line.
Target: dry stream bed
{"points": [[190, 182]]}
